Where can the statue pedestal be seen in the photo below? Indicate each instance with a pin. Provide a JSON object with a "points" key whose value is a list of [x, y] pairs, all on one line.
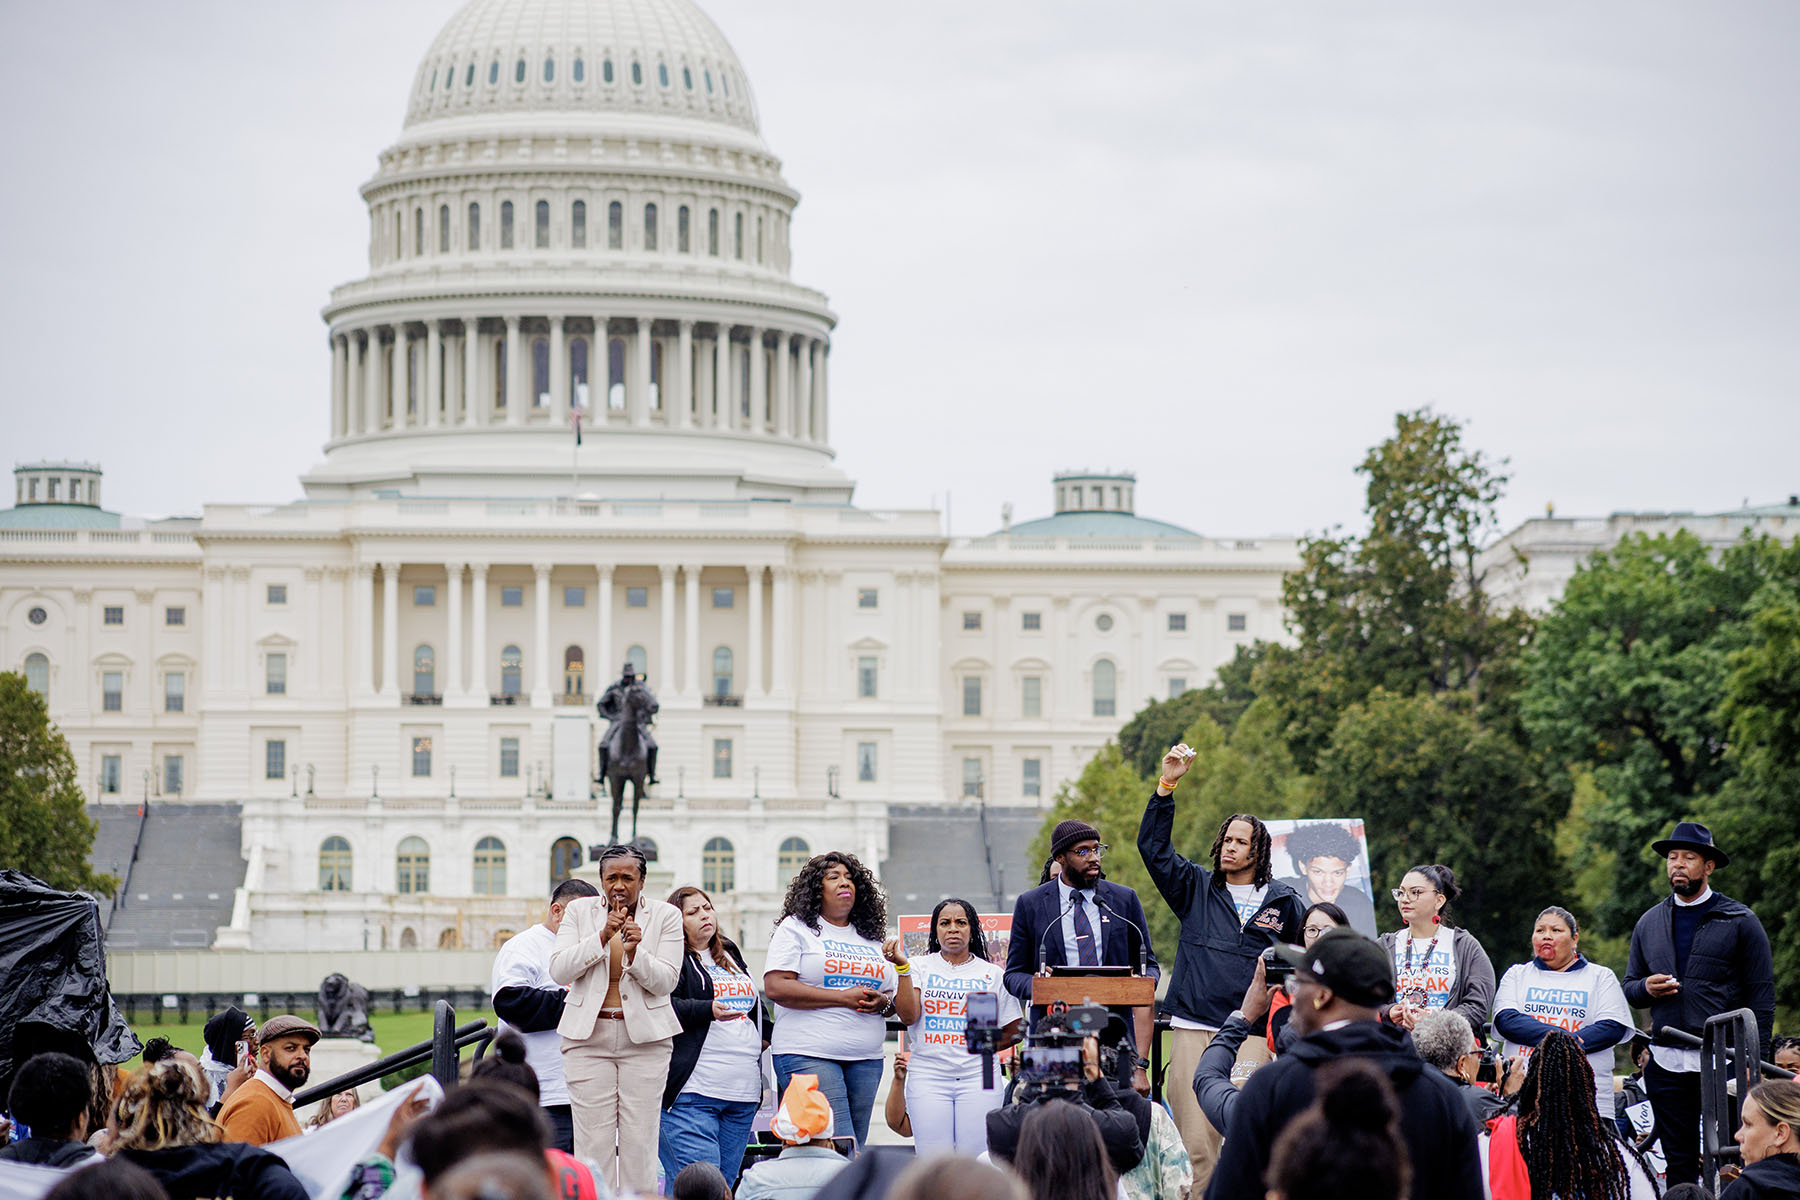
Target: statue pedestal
{"points": [[333, 1056]]}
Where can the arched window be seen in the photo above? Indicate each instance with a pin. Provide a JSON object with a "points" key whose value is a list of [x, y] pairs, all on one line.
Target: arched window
{"points": [[662, 74], [540, 372], [1106, 683], [649, 226], [424, 671], [707, 75], [334, 865], [578, 368], [493, 72], [543, 224], [549, 70], [474, 226], [580, 71], [573, 670], [687, 79], [792, 856], [565, 856], [712, 232], [450, 938], [743, 382], [759, 239], [412, 867], [718, 866], [615, 226], [578, 225], [510, 660], [418, 232], [409, 939], [737, 236], [637, 73], [606, 71], [639, 660], [469, 76], [519, 71], [500, 373], [37, 675], [615, 374], [506, 225], [722, 671], [682, 221], [490, 867], [443, 229], [501, 937]]}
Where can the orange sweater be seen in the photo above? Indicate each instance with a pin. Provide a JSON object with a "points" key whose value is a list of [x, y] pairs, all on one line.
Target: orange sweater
{"points": [[255, 1114]]}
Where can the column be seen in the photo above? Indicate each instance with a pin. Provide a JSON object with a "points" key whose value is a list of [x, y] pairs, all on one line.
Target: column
{"points": [[684, 375], [212, 642], [353, 386], [397, 379], [452, 371], [478, 648], [823, 384], [905, 652], [559, 374], [690, 641], [239, 648], [724, 398], [603, 645], [665, 664], [434, 372], [782, 619], [472, 412], [803, 419], [759, 382], [338, 389], [784, 395], [703, 393], [540, 635], [599, 377], [362, 629], [755, 655], [515, 387], [390, 629], [453, 589], [637, 380], [312, 614], [373, 407]]}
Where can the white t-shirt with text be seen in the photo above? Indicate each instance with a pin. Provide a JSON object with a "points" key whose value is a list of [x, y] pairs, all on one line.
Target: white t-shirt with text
{"points": [[1425, 965], [836, 957], [1248, 899], [1569, 1000], [936, 1039], [730, 1062]]}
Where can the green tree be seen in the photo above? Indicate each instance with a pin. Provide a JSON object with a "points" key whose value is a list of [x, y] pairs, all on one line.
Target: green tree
{"points": [[1159, 724], [1624, 682], [44, 826], [1756, 815], [1434, 785]]}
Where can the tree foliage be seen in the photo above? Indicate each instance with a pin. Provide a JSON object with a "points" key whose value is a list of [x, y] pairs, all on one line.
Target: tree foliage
{"points": [[44, 826], [1159, 724]]}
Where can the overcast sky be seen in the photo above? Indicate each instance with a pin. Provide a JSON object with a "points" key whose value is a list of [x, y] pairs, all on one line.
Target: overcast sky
{"points": [[1216, 243]]}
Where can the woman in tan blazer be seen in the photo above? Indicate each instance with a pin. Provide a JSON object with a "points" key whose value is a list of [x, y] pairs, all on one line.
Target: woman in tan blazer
{"points": [[619, 954]]}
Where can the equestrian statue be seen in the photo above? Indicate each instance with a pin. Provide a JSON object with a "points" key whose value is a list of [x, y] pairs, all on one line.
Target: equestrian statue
{"points": [[627, 751]]}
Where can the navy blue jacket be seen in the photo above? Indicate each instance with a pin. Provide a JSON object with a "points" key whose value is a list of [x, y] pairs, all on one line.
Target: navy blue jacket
{"points": [[1218, 951], [1728, 967], [1040, 909]]}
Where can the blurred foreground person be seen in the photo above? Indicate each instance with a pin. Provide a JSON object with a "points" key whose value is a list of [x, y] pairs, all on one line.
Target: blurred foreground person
{"points": [[113, 1179], [162, 1126], [1061, 1155], [1770, 1140], [514, 1176], [1347, 1144], [1557, 1143], [699, 1181], [956, 1177], [804, 1122], [51, 1095]]}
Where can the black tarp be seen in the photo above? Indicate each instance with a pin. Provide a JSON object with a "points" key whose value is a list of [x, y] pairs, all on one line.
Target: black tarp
{"points": [[53, 976]]}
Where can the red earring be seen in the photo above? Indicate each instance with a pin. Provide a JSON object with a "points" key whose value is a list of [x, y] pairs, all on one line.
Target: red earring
{"points": [[1436, 920]]}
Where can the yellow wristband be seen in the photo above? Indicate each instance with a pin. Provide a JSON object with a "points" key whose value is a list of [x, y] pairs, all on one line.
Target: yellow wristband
{"points": [[1167, 785], [903, 969]]}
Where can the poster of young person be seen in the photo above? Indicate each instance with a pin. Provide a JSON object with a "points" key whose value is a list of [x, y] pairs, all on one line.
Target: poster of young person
{"points": [[1327, 861], [996, 933]]}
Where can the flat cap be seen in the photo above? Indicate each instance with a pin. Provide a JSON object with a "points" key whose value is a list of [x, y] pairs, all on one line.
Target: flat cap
{"points": [[286, 1025]]}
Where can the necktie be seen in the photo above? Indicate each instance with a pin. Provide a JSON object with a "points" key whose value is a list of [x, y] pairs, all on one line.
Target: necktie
{"points": [[1084, 936]]}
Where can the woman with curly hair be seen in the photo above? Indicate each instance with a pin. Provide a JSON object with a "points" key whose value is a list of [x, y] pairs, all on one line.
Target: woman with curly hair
{"points": [[826, 977], [162, 1126]]}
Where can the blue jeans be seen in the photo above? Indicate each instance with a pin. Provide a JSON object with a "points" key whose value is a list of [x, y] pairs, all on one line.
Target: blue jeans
{"points": [[849, 1087], [699, 1128]]}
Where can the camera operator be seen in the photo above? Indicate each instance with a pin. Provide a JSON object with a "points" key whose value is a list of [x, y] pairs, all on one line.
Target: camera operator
{"points": [[1089, 1083]]}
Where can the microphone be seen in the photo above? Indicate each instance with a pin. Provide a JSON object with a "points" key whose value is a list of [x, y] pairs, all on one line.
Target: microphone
{"points": [[1143, 951], [1056, 924]]}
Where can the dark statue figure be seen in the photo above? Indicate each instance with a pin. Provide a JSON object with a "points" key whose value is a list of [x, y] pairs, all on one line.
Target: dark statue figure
{"points": [[344, 1009], [627, 751]]}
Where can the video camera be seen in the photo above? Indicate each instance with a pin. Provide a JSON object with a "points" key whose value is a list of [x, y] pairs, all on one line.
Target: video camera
{"points": [[1052, 1052]]}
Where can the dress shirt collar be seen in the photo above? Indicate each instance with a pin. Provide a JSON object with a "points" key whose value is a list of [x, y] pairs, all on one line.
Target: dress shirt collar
{"points": [[1702, 898], [1064, 891], [274, 1085]]}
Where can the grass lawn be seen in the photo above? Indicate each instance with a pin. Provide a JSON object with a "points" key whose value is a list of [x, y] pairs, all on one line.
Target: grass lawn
{"points": [[393, 1031]]}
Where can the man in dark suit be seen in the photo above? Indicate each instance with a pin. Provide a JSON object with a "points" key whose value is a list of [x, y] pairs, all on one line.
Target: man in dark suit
{"points": [[1081, 919]]}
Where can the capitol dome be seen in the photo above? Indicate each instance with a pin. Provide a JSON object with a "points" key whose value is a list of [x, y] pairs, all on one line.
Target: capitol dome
{"points": [[628, 56], [579, 214]]}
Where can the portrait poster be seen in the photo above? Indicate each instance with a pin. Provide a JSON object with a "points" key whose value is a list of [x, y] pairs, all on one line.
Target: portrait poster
{"points": [[1327, 860]]}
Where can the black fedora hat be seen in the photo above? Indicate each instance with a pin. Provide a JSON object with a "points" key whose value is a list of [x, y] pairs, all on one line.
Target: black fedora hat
{"points": [[1691, 835]]}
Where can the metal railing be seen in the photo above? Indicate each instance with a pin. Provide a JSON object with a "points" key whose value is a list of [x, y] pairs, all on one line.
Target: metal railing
{"points": [[1730, 1066], [443, 1050]]}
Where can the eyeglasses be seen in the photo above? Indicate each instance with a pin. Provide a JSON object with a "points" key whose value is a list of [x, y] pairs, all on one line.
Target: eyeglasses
{"points": [[1418, 893], [1096, 852]]}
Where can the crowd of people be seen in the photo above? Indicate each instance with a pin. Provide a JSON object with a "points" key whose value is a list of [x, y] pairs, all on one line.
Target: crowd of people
{"points": [[1307, 1059]]}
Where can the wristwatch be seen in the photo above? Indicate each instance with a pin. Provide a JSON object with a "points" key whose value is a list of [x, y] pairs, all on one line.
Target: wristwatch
{"points": [[1142, 1064]]}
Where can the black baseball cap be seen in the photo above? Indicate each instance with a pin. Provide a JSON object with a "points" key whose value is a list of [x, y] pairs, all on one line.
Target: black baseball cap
{"points": [[1353, 966]]}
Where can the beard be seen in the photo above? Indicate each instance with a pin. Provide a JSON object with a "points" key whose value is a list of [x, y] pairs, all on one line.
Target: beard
{"points": [[292, 1076], [1687, 887]]}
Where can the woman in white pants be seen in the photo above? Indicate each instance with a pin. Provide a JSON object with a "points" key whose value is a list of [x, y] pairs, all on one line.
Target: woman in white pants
{"points": [[944, 1096]]}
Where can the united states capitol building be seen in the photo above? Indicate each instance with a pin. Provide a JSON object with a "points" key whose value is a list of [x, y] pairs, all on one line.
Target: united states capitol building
{"points": [[383, 692]]}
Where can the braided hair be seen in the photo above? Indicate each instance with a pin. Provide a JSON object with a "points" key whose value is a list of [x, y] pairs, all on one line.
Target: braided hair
{"points": [[624, 851], [1348, 1143], [977, 943], [805, 895], [1568, 1150], [1261, 844]]}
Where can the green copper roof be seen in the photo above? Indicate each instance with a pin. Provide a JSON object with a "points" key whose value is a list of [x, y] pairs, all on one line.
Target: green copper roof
{"points": [[1099, 525], [58, 516]]}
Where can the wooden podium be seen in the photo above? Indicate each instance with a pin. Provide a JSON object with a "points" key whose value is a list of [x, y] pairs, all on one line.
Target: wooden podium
{"points": [[1112, 991]]}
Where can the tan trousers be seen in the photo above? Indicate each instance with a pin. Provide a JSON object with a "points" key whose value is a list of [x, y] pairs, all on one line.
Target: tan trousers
{"points": [[1197, 1133], [615, 1097]]}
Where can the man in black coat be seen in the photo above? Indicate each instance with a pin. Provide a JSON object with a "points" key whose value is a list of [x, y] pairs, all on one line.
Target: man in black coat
{"points": [[1083, 919], [1339, 984], [1695, 955]]}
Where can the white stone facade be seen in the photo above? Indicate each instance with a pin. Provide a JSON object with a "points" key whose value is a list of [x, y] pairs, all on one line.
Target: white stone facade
{"points": [[384, 660]]}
